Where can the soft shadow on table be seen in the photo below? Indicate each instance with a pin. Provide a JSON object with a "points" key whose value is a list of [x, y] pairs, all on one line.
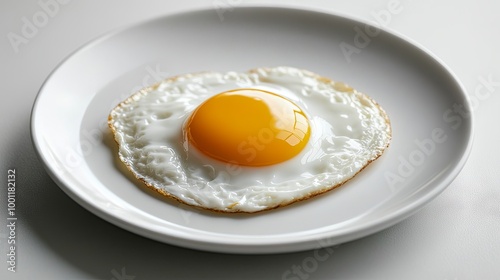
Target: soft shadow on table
{"points": [[104, 251]]}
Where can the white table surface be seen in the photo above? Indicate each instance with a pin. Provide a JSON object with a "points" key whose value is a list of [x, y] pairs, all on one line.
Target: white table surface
{"points": [[455, 237]]}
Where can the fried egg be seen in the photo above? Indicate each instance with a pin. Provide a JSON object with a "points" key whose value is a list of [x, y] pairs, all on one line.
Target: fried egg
{"points": [[248, 142]]}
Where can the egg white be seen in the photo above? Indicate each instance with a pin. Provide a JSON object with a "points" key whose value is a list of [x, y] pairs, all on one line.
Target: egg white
{"points": [[348, 131]]}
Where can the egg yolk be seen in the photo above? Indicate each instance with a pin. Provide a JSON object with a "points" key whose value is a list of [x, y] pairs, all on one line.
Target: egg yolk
{"points": [[249, 127]]}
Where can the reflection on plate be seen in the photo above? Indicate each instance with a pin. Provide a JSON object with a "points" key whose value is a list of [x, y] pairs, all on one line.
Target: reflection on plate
{"points": [[429, 147]]}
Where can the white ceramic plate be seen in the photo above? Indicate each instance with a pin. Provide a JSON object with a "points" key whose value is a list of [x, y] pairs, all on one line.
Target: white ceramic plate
{"points": [[431, 138]]}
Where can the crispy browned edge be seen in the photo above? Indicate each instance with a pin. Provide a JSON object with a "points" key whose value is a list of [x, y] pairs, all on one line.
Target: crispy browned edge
{"points": [[310, 195]]}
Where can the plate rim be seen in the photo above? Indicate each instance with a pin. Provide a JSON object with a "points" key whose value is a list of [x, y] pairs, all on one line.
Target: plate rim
{"points": [[262, 246]]}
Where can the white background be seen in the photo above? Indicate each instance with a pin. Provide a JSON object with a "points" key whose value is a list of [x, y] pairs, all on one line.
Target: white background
{"points": [[455, 237]]}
